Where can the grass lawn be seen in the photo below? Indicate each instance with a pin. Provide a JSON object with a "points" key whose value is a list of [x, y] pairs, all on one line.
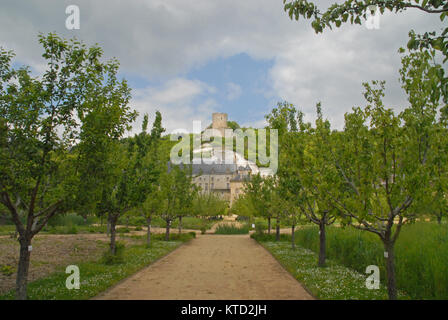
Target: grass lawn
{"points": [[96, 276], [334, 282]]}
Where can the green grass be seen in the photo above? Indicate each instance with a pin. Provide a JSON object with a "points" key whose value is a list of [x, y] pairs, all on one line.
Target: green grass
{"points": [[334, 282], [192, 223], [7, 229], [421, 255], [232, 228], [97, 276]]}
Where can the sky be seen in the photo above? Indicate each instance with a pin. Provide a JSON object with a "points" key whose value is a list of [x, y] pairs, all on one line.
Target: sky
{"points": [[189, 59]]}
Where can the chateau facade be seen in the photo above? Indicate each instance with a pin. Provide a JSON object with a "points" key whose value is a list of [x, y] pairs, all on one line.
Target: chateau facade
{"points": [[221, 171], [219, 175]]}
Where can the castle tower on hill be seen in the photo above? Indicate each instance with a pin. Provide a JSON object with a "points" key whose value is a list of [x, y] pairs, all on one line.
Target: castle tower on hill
{"points": [[219, 122]]}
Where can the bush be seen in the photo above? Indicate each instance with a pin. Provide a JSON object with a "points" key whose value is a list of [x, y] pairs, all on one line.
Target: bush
{"points": [[69, 219], [7, 270], [72, 230], [138, 228], [175, 236], [123, 230], [117, 258], [232, 229], [260, 227], [270, 237]]}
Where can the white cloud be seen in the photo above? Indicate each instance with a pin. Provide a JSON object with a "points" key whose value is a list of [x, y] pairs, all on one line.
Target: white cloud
{"points": [[180, 101], [234, 91]]}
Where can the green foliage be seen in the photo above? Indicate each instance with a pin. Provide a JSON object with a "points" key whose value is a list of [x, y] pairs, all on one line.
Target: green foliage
{"points": [[7, 270], [270, 237], [421, 255], [260, 227], [232, 228], [109, 258], [69, 219], [208, 205], [123, 230]]}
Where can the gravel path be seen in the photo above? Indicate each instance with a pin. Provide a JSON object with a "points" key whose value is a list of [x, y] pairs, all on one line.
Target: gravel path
{"points": [[230, 267]]}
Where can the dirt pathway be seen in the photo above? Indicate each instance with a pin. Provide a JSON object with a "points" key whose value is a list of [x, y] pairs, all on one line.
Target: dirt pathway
{"points": [[213, 267]]}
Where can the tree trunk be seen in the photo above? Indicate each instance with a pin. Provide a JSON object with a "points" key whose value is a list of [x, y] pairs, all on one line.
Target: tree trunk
{"points": [[113, 222], [180, 224], [108, 227], [269, 225], [148, 235], [167, 234], [85, 219], [293, 244], [101, 220], [439, 218], [390, 269], [322, 245], [127, 222], [22, 270], [277, 230]]}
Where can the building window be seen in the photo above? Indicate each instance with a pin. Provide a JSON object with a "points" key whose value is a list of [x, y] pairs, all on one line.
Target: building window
{"points": [[228, 186], [212, 186]]}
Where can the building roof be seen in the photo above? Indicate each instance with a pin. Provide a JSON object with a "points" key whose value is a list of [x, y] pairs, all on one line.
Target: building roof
{"points": [[214, 168]]}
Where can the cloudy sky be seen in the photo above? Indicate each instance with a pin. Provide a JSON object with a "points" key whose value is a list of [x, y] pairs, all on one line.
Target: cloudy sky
{"points": [[191, 58]]}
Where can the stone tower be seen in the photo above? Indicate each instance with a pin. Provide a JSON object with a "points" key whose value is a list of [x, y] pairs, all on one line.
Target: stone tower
{"points": [[219, 121]]}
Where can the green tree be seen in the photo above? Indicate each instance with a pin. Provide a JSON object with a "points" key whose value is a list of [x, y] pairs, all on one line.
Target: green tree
{"points": [[259, 192], [185, 193], [151, 208], [41, 120], [148, 160], [385, 159]]}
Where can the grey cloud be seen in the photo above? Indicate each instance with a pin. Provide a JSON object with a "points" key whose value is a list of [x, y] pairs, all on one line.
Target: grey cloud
{"points": [[164, 39]]}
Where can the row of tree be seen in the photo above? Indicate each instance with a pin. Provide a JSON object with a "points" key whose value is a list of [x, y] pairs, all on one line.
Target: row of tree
{"points": [[63, 149], [383, 170]]}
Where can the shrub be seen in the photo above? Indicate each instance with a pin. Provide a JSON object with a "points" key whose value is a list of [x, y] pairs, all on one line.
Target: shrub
{"points": [[72, 230], [7, 270], [117, 258], [260, 227], [138, 228], [69, 220], [232, 229], [270, 237], [123, 230]]}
